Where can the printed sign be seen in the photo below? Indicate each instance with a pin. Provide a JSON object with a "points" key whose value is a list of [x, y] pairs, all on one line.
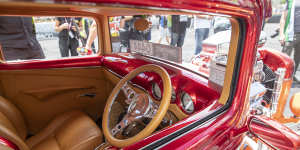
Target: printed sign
{"points": [[142, 47], [166, 52]]}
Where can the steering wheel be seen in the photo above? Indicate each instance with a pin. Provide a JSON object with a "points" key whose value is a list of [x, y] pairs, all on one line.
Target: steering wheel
{"points": [[140, 105]]}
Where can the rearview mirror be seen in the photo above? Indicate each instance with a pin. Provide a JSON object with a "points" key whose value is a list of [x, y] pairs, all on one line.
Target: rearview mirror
{"points": [[141, 24], [273, 133]]}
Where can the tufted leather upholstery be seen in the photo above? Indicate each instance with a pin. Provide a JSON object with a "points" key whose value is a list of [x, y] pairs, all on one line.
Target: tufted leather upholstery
{"points": [[70, 131]]}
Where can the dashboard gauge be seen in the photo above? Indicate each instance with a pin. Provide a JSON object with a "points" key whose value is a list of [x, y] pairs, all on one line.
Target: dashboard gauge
{"points": [[173, 96], [187, 103], [156, 91]]}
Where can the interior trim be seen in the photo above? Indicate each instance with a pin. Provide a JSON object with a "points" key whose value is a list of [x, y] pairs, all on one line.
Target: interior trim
{"points": [[41, 94], [83, 62], [47, 93], [234, 43]]}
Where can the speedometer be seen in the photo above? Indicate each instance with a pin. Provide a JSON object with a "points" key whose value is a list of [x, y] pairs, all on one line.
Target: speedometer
{"points": [[187, 103]]}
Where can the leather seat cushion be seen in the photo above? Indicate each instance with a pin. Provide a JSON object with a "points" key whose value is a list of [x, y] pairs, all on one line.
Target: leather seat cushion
{"points": [[73, 131]]}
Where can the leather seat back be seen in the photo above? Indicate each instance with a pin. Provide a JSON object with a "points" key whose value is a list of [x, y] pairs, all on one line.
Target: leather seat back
{"points": [[73, 130], [12, 124]]}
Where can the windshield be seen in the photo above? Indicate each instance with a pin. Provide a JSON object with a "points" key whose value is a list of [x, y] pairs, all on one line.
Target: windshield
{"points": [[196, 42]]}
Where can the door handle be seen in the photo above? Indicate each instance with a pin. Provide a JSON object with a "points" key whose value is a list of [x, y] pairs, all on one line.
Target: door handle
{"points": [[90, 95]]}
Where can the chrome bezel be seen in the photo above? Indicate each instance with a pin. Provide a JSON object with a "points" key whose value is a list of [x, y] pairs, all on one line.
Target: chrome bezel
{"points": [[183, 105], [154, 92]]}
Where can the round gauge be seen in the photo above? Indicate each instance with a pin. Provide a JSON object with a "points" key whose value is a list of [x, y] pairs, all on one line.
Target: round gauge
{"points": [[156, 91], [187, 103], [173, 96]]}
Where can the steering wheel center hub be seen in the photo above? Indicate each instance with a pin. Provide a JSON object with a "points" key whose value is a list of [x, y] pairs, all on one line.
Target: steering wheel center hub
{"points": [[139, 106]]}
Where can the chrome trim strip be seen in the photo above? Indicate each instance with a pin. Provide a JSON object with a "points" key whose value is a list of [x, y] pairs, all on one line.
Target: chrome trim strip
{"points": [[190, 130]]}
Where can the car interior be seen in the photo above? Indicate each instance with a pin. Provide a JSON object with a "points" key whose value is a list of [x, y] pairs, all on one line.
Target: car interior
{"points": [[110, 98]]}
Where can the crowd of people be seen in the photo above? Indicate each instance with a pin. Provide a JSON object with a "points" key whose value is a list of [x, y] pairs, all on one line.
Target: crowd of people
{"points": [[172, 29], [74, 32], [18, 37]]}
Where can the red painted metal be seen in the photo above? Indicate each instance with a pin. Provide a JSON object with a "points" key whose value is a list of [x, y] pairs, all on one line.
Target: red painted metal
{"points": [[182, 142], [218, 132], [274, 133], [182, 80], [8, 143], [59, 63], [275, 59], [224, 131]]}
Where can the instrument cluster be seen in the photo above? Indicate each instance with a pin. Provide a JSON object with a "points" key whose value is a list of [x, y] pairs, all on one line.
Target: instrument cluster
{"points": [[185, 101]]}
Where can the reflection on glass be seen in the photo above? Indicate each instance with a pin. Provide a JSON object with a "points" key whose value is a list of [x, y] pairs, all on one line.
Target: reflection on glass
{"points": [[190, 40], [26, 38]]}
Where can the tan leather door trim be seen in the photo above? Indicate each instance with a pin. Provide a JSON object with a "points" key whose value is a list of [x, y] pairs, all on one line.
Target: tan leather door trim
{"points": [[42, 94], [47, 93]]}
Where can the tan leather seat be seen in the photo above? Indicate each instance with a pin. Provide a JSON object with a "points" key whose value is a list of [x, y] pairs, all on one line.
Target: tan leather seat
{"points": [[70, 131]]}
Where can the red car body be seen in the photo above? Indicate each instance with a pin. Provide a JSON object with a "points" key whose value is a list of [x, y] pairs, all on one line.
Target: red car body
{"points": [[217, 126]]}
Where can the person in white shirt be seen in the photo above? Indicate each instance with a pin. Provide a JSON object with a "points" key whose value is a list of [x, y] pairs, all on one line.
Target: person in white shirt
{"points": [[201, 26]]}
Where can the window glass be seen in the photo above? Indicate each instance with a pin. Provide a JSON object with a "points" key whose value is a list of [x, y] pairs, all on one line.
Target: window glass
{"points": [[27, 38], [197, 42]]}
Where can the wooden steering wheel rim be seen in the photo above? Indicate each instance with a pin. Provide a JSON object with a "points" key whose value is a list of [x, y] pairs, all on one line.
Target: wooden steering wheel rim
{"points": [[155, 121]]}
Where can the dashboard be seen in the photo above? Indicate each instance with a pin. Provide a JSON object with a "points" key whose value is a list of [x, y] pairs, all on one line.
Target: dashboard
{"points": [[190, 91]]}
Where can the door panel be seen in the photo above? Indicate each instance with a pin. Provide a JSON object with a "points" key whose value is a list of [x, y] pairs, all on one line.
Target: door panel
{"points": [[42, 94]]}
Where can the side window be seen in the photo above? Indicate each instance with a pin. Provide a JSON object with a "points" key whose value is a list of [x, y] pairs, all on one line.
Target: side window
{"points": [[47, 38]]}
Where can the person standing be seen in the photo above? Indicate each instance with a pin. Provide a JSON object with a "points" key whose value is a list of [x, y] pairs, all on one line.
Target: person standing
{"points": [[169, 24], [68, 37], [178, 29], [18, 38], [290, 31], [163, 28], [85, 25], [201, 26]]}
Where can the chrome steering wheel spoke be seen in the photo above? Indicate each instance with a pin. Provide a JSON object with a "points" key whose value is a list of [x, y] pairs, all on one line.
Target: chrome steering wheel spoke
{"points": [[127, 120], [129, 93]]}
